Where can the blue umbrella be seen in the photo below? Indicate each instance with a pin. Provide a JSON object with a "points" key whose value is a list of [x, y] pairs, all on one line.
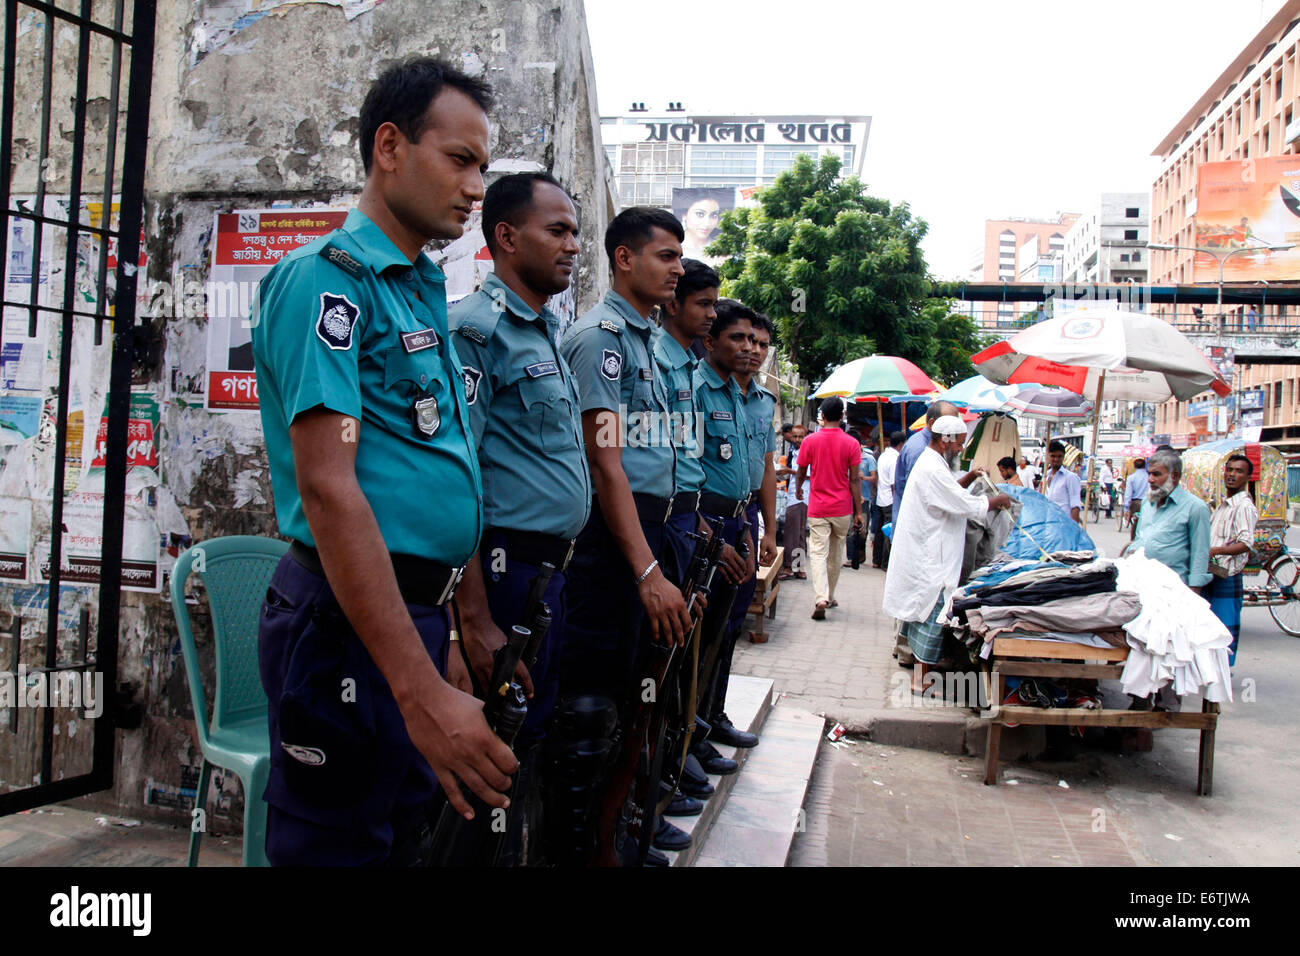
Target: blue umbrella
{"points": [[978, 394]]}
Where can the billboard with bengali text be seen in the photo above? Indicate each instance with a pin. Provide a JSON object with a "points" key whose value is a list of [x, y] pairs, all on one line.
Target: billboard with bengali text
{"points": [[1242, 208]]}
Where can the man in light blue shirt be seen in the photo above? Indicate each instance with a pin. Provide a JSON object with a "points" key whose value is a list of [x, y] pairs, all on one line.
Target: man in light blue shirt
{"points": [[1061, 486], [1175, 527], [1135, 489]]}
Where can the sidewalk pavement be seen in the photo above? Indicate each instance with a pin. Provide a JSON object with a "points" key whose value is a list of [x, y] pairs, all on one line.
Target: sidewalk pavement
{"points": [[843, 667]]}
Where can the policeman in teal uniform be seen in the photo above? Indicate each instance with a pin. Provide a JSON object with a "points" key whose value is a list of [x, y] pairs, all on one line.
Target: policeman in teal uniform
{"points": [[685, 319], [616, 582], [376, 481], [757, 408], [524, 412]]}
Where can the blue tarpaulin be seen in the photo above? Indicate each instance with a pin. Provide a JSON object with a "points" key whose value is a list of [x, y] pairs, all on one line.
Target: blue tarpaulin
{"points": [[1043, 526]]}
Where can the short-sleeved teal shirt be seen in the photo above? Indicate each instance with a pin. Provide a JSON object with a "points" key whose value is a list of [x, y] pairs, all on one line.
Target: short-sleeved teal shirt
{"points": [[759, 406], [726, 468], [678, 367], [523, 409], [349, 324], [608, 349]]}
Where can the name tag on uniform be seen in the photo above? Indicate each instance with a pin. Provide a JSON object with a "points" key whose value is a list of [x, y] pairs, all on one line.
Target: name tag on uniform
{"points": [[722, 416], [542, 368], [683, 395], [419, 341], [646, 374]]}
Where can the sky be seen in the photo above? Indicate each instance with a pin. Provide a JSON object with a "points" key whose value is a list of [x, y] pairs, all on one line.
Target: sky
{"points": [[981, 109]]}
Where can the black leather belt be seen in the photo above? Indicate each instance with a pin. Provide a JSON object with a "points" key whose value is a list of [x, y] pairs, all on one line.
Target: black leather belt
{"points": [[419, 580], [685, 503], [723, 507], [652, 509], [533, 547]]}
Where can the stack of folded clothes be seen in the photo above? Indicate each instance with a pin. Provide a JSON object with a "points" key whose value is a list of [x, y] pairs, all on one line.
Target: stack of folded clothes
{"points": [[1042, 600], [1172, 635]]}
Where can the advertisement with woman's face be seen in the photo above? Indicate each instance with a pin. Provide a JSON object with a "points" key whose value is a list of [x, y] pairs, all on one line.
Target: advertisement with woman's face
{"points": [[699, 209]]}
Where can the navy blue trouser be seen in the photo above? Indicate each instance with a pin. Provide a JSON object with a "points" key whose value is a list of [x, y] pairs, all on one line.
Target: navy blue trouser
{"points": [[346, 783], [739, 611], [507, 592], [604, 616], [714, 690]]}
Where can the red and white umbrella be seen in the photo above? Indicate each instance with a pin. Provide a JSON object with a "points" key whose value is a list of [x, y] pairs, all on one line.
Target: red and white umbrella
{"points": [[1139, 358], [1124, 356]]}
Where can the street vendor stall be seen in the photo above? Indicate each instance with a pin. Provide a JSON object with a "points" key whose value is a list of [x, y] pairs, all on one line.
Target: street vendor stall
{"points": [[1050, 617]]}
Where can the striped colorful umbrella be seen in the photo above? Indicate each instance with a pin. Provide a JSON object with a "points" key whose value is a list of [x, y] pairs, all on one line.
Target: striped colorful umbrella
{"points": [[1050, 404], [876, 376]]}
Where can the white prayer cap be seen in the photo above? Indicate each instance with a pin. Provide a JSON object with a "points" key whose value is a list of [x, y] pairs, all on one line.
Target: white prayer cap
{"points": [[948, 425]]}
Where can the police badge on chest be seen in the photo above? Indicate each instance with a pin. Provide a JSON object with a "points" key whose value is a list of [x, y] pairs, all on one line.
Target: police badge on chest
{"points": [[425, 416]]}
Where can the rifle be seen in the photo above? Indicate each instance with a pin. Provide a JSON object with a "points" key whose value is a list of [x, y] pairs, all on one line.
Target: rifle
{"points": [[723, 616], [505, 709], [646, 716]]}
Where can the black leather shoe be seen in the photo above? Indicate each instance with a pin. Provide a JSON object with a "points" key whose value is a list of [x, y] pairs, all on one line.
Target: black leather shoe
{"points": [[712, 761], [695, 782], [724, 733], [655, 858], [669, 837], [684, 806]]}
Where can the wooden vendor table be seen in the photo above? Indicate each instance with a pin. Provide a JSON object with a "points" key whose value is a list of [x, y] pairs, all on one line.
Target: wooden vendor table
{"points": [[763, 603], [1016, 657]]}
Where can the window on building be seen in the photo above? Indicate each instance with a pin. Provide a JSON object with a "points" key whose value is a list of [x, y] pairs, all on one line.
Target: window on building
{"points": [[1258, 98], [1266, 139], [1130, 233], [724, 165], [1132, 212], [1245, 150], [850, 151], [777, 159], [1123, 257], [1277, 394], [1220, 140], [1137, 257], [1277, 86]]}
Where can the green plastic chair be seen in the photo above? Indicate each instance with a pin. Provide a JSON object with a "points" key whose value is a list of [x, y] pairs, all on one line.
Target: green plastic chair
{"points": [[236, 572]]}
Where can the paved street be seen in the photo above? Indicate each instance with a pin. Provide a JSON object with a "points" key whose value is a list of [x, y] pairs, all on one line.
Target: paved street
{"points": [[878, 805]]}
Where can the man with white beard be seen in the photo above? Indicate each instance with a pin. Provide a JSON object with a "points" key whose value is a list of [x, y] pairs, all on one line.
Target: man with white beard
{"points": [[929, 539], [1174, 526]]}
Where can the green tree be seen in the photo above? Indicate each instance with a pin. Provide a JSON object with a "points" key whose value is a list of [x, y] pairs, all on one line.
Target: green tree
{"points": [[840, 273], [950, 339]]}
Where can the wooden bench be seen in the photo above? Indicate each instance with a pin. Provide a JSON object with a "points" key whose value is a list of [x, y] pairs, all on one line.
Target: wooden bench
{"points": [[1016, 657], [764, 601]]}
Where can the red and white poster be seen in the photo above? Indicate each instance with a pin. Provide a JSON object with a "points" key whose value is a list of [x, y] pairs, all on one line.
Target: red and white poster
{"points": [[248, 243]]}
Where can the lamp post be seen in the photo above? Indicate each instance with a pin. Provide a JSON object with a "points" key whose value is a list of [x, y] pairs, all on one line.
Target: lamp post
{"points": [[1222, 258]]}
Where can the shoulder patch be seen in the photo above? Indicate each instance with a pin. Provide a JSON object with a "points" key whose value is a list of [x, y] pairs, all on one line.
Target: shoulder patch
{"points": [[338, 317], [609, 325], [342, 258], [611, 364], [473, 334], [472, 377]]}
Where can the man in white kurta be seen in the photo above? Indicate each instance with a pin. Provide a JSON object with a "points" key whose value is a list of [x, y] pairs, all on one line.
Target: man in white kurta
{"points": [[929, 540]]}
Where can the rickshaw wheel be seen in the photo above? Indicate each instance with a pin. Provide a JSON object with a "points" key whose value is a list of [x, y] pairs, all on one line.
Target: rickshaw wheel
{"points": [[1284, 575]]}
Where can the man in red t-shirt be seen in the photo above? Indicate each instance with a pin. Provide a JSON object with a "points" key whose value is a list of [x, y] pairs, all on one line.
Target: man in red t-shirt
{"points": [[829, 458]]}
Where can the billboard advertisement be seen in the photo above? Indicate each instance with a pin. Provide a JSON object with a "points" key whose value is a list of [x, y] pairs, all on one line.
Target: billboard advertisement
{"points": [[699, 208], [1243, 207]]}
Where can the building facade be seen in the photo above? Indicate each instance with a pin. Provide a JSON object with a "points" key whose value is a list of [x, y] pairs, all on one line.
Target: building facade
{"points": [[1004, 240], [654, 154], [1108, 244], [1248, 112]]}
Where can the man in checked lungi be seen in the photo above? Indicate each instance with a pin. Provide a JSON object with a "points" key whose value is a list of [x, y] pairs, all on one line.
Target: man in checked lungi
{"points": [[1232, 535]]}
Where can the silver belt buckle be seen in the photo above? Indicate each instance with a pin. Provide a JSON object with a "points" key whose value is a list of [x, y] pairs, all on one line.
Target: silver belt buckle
{"points": [[568, 555], [453, 583], [668, 511]]}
